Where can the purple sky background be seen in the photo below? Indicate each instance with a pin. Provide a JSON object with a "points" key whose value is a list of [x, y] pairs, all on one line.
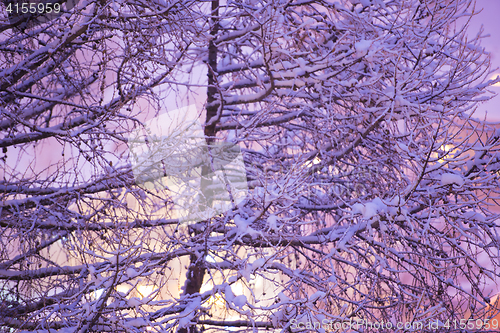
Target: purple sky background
{"points": [[490, 20]]}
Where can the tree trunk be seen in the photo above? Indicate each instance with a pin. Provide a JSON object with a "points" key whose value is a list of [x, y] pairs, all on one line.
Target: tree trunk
{"points": [[196, 270]]}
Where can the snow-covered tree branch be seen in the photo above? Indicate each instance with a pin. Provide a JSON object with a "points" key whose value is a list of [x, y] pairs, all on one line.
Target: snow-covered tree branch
{"points": [[369, 189]]}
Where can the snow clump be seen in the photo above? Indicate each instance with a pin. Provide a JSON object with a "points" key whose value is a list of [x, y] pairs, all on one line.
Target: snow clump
{"points": [[369, 209], [450, 178], [362, 47]]}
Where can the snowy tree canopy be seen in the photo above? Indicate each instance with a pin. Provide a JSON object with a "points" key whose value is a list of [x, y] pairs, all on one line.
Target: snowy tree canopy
{"points": [[370, 190]]}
